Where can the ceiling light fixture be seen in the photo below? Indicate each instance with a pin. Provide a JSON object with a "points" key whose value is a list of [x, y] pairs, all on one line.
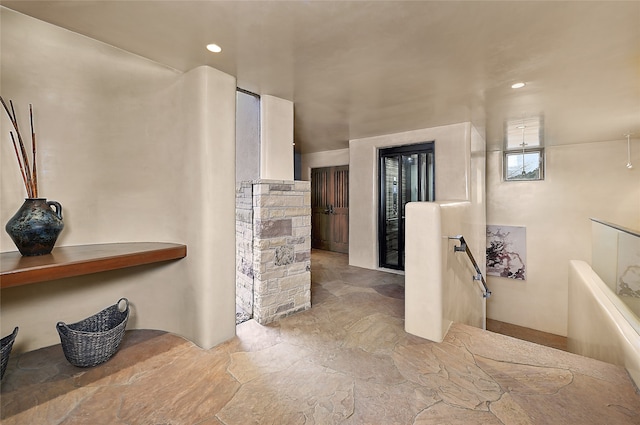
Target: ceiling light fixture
{"points": [[517, 85], [214, 48]]}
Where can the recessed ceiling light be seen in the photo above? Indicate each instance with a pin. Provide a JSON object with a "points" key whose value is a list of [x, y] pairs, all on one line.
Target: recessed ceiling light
{"points": [[518, 85], [214, 48]]}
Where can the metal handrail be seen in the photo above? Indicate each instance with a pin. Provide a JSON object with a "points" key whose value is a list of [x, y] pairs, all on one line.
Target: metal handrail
{"points": [[465, 248]]}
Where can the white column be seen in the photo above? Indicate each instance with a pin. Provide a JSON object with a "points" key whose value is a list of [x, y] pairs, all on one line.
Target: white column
{"points": [[276, 138]]}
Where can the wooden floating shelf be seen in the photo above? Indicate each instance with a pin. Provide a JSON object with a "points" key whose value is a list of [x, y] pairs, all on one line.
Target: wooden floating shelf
{"points": [[69, 261]]}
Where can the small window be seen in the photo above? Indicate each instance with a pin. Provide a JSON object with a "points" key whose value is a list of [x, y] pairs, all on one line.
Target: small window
{"points": [[527, 165], [524, 153]]}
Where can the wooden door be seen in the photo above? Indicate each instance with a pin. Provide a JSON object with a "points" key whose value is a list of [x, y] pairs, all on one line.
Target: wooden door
{"points": [[320, 224], [330, 208]]}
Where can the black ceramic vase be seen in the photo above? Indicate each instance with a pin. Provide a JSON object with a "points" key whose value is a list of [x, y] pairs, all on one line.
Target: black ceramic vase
{"points": [[36, 226]]}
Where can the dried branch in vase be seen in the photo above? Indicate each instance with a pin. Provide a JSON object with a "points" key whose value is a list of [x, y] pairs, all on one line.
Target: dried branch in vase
{"points": [[29, 174]]}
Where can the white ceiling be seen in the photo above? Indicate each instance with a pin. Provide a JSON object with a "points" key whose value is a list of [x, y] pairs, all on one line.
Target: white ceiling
{"points": [[365, 68]]}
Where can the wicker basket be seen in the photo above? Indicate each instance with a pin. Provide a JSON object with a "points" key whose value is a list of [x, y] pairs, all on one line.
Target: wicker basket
{"points": [[95, 339], [6, 344]]}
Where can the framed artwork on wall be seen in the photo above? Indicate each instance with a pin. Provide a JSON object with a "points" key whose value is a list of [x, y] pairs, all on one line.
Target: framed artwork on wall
{"points": [[506, 251]]}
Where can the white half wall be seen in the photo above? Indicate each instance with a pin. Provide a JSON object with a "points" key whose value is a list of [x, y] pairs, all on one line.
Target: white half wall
{"points": [[423, 282], [134, 151], [596, 326], [439, 285]]}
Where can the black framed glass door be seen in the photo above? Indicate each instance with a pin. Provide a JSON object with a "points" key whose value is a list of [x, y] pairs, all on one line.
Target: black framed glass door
{"points": [[407, 174]]}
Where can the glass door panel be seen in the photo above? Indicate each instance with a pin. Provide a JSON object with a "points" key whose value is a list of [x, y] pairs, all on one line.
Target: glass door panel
{"points": [[406, 175], [391, 211]]}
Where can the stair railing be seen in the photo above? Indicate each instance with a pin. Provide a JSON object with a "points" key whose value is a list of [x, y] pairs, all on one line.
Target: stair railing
{"points": [[478, 277]]}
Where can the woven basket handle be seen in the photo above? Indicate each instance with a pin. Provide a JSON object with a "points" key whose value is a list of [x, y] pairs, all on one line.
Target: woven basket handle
{"points": [[126, 304]]}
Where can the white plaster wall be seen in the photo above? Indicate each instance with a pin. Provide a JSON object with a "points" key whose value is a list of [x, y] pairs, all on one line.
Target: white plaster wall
{"points": [[582, 181], [453, 180], [323, 159], [475, 226], [463, 300], [131, 149], [276, 138], [439, 285]]}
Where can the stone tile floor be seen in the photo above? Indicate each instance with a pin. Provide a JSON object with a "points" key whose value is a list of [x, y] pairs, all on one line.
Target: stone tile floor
{"points": [[345, 361]]}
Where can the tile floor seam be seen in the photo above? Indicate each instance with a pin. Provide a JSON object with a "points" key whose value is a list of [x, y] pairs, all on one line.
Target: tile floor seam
{"points": [[119, 412], [498, 417], [75, 407], [518, 364], [474, 355]]}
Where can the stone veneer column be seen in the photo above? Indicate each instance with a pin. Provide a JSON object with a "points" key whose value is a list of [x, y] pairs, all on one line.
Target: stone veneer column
{"points": [[244, 246], [281, 248]]}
